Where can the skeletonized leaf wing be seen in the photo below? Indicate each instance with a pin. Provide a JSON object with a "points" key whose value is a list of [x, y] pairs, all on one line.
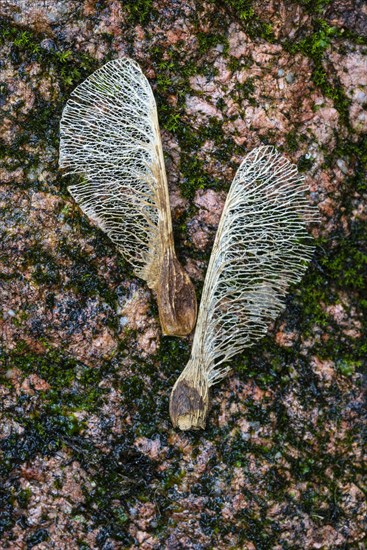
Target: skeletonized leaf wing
{"points": [[109, 134], [261, 248]]}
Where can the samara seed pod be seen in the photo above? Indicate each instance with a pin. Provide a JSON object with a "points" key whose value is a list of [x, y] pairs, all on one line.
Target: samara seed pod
{"points": [[261, 248], [109, 134]]}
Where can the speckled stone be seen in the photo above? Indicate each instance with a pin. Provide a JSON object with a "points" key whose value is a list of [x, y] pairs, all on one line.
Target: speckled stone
{"points": [[88, 456]]}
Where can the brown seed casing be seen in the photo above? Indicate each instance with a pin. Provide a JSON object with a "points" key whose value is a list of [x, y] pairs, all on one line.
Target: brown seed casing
{"points": [[189, 402], [176, 298]]}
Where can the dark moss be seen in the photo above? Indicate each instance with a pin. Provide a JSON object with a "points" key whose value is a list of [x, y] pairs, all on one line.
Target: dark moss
{"points": [[42, 124], [174, 70], [40, 535], [314, 6], [292, 140], [26, 46], [73, 386], [245, 13], [46, 270], [208, 40], [6, 510], [314, 46], [304, 163], [139, 11], [121, 475]]}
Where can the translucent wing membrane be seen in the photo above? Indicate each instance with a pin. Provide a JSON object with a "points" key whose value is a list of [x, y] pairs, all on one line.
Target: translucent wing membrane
{"points": [[261, 247], [109, 133]]}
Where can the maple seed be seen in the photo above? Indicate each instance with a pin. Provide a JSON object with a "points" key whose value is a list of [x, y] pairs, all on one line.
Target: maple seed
{"points": [[260, 249], [109, 134]]}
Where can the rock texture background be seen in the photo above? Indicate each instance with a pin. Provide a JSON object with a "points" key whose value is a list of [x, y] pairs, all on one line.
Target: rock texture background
{"points": [[88, 457]]}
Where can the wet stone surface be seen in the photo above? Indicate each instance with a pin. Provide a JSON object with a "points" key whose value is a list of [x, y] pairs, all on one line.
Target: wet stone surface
{"points": [[88, 456]]}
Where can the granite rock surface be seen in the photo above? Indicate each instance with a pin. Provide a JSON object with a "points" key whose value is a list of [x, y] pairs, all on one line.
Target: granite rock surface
{"points": [[88, 456]]}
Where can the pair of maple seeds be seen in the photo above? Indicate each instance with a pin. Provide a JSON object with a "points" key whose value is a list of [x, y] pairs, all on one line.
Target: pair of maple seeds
{"points": [[110, 135]]}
